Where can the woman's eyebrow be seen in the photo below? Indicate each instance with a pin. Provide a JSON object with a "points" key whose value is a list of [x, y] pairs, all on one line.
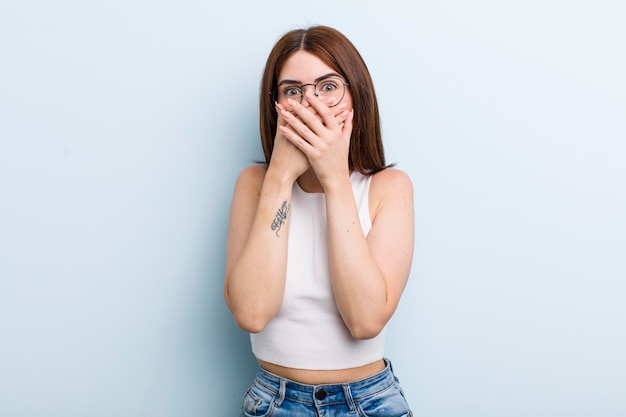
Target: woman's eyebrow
{"points": [[289, 82], [318, 79], [330, 74]]}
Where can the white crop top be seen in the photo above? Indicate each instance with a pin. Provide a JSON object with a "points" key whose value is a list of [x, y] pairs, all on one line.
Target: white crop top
{"points": [[308, 332]]}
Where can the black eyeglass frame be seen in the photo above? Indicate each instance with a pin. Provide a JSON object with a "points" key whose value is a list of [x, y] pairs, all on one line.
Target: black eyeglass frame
{"points": [[274, 92]]}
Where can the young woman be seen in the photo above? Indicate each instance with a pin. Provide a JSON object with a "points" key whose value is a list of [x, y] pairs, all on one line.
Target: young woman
{"points": [[320, 238]]}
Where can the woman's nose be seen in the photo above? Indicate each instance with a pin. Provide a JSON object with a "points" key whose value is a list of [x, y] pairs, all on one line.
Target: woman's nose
{"points": [[305, 100]]}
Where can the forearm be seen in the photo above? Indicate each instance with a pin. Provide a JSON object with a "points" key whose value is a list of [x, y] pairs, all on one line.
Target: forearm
{"points": [[256, 281], [358, 283]]}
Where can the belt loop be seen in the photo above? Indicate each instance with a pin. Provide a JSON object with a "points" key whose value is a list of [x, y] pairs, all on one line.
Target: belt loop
{"points": [[348, 393], [281, 392], [388, 363], [395, 378]]}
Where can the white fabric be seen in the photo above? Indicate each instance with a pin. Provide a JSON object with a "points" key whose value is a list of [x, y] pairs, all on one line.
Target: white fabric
{"points": [[308, 332]]}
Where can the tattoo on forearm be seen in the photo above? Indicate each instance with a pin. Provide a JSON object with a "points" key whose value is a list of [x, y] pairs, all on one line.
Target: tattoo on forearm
{"points": [[281, 215]]}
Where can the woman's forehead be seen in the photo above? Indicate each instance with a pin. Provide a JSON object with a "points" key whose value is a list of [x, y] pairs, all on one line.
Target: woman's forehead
{"points": [[303, 67]]}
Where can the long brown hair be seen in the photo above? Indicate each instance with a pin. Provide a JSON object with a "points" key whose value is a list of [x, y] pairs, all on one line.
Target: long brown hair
{"points": [[366, 155]]}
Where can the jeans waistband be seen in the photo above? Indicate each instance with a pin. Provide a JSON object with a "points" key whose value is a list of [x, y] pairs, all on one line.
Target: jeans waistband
{"points": [[285, 388]]}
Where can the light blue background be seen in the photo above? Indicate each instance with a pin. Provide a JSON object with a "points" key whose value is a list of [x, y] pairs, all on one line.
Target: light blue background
{"points": [[123, 125]]}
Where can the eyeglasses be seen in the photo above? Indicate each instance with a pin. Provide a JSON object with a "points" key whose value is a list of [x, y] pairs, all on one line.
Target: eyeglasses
{"points": [[330, 90]]}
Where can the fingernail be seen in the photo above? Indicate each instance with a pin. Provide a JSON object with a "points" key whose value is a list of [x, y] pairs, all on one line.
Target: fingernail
{"points": [[291, 102], [342, 106], [285, 114]]}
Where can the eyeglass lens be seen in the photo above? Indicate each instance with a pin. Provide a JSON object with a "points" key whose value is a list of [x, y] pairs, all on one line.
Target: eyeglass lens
{"points": [[330, 90]]}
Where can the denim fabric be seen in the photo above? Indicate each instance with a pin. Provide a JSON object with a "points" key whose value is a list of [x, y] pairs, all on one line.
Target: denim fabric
{"points": [[376, 396]]}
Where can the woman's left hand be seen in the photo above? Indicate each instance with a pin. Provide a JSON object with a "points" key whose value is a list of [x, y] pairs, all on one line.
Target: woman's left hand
{"points": [[321, 135]]}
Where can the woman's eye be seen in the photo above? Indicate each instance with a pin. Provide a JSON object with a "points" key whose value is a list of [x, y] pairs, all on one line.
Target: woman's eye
{"points": [[291, 91], [328, 86]]}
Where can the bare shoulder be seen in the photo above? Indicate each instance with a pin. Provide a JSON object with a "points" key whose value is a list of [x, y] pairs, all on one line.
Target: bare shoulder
{"points": [[390, 181], [389, 187], [253, 173], [251, 177]]}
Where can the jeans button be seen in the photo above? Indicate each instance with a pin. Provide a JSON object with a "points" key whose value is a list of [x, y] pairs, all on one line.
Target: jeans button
{"points": [[321, 394]]}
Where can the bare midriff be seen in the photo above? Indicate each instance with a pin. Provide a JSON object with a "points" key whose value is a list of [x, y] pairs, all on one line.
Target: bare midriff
{"points": [[320, 377]]}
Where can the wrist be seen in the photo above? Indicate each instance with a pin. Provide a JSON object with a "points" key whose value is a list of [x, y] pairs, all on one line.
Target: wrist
{"points": [[280, 177], [338, 183]]}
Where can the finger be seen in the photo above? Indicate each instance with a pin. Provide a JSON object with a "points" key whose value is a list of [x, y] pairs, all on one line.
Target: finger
{"points": [[340, 108], [304, 121], [281, 120], [295, 139], [336, 110], [341, 117], [300, 127], [325, 112], [346, 127], [304, 113]]}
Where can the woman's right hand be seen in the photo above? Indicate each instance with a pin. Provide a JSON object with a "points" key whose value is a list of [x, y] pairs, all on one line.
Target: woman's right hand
{"points": [[286, 157]]}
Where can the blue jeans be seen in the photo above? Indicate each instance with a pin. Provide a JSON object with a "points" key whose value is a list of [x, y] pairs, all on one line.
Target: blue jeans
{"points": [[377, 396]]}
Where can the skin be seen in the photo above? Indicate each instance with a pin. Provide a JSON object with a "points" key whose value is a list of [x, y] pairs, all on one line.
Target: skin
{"points": [[368, 274]]}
